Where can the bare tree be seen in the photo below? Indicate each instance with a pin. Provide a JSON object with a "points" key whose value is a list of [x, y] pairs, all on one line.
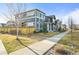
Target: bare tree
{"points": [[14, 13], [72, 27], [71, 23], [14, 9]]}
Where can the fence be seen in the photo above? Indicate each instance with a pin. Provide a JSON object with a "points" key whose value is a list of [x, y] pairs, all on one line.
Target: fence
{"points": [[12, 30]]}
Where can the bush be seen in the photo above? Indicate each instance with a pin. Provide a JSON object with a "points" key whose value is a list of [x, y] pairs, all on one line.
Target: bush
{"points": [[61, 50], [35, 32]]}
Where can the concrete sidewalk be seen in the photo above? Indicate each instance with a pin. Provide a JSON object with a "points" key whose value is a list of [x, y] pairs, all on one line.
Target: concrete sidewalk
{"points": [[58, 37], [2, 49], [40, 48]]}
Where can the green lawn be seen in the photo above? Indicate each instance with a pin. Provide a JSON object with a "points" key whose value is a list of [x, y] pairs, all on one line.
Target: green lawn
{"points": [[11, 44]]}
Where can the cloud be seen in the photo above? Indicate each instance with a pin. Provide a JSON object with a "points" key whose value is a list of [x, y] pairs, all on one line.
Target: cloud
{"points": [[74, 15]]}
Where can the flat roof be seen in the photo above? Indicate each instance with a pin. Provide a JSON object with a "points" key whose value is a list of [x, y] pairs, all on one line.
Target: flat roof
{"points": [[31, 10], [35, 9]]}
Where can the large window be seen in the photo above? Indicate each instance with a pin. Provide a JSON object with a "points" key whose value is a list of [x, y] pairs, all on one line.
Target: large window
{"points": [[30, 20], [40, 15], [37, 14], [38, 20], [37, 25], [31, 13]]}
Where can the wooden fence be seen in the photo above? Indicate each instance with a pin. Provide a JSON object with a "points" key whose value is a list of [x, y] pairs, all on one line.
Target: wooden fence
{"points": [[12, 30]]}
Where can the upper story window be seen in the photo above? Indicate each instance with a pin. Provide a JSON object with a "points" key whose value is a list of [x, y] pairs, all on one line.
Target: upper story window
{"points": [[31, 13], [39, 14], [37, 19], [42, 16]]}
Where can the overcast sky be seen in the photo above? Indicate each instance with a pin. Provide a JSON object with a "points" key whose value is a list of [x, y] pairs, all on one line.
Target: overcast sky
{"points": [[61, 10]]}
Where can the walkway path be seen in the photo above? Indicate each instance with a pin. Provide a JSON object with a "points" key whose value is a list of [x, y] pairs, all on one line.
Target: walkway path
{"points": [[2, 49], [58, 37], [40, 47]]}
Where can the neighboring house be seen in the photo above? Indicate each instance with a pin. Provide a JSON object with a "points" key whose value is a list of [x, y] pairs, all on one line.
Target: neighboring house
{"points": [[50, 23], [33, 17], [2, 24], [76, 26], [63, 27], [11, 24], [58, 25]]}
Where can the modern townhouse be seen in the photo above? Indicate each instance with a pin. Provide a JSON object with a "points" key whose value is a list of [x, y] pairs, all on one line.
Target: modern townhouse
{"points": [[33, 18]]}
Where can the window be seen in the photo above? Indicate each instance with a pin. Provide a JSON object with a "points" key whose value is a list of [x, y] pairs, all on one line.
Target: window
{"points": [[30, 20], [40, 15], [37, 13], [43, 16], [30, 13], [37, 19], [37, 26]]}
